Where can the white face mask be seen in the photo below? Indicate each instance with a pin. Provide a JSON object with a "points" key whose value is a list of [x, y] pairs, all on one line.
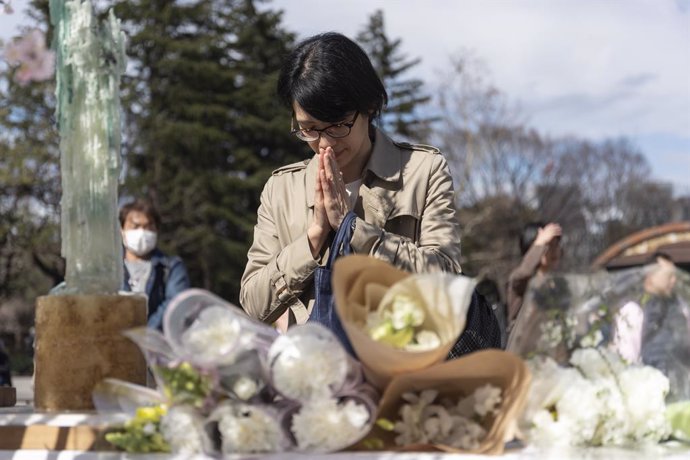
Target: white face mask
{"points": [[140, 241]]}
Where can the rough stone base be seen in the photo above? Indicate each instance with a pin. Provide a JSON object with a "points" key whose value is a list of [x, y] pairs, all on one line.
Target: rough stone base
{"points": [[8, 396], [79, 343]]}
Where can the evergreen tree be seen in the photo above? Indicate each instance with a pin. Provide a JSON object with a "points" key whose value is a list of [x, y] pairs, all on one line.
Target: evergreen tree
{"points": [[405, 96], [203, 126]]}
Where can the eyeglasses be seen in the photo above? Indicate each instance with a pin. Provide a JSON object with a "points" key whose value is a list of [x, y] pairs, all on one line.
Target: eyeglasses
{"points": [[336, 131]]}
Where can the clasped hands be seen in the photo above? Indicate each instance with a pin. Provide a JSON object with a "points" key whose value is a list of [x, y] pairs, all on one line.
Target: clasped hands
{"points": [[330, 201]]}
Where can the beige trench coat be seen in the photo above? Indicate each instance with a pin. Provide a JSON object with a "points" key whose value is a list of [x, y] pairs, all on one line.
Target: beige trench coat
{"points": [[406, 217]]}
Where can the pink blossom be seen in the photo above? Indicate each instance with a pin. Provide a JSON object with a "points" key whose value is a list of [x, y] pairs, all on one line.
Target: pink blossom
{"points": [[7, 8], [35, 61]]}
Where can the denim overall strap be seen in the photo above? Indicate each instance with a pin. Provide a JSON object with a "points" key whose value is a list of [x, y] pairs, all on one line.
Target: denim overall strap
{"points": [[341, 242], [323, 311]]}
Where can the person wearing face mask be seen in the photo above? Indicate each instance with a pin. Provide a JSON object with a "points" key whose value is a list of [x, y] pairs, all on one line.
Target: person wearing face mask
{"points": [[147, 269]]}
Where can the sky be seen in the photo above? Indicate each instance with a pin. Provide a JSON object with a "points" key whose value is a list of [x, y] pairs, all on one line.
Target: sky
{"points": [[593, 69]]}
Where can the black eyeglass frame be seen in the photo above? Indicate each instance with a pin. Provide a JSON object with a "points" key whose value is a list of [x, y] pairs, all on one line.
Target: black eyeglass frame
{"points": [[299, 133]]}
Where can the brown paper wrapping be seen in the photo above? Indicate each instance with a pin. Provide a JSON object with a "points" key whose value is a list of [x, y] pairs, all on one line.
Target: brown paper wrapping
{"points": [[459, 378], [360, 283]]}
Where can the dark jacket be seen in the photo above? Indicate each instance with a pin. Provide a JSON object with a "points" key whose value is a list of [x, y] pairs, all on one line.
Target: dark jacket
{"points": [[168, 278]]}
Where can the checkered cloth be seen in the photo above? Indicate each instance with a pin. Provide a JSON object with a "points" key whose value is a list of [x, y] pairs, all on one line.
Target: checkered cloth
{"points": [[481, 331]]}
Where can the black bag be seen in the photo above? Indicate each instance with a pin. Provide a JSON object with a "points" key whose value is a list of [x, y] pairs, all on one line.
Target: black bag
{"points": [[323, 311], [481, 330]]}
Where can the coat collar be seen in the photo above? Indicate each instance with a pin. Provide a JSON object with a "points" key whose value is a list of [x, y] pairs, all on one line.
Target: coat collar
{"points": [[385, 162]]}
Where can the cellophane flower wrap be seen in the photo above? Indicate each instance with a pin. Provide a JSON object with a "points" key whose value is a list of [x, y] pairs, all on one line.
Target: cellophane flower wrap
{"points": [[398, 322], [607, 353], [228, 384]]}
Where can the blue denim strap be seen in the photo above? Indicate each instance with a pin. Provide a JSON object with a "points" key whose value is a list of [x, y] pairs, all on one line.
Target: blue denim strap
{"points": [[341, 241], [323, 311]]}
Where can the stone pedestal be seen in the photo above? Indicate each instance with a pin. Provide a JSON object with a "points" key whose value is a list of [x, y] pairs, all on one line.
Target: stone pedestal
{"points": [[8, 396], [79, 342]]}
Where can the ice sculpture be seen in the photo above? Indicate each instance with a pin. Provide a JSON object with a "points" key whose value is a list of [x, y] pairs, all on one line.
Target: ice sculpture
{"points": [[90, 61]]}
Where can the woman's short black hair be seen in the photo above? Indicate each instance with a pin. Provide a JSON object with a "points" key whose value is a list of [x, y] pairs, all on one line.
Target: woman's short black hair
{"points": [[330, 76], [528, 235]]}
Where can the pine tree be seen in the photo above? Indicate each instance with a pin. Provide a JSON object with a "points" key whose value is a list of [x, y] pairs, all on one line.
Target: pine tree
{"points": [[405, 96], [203, 127]]}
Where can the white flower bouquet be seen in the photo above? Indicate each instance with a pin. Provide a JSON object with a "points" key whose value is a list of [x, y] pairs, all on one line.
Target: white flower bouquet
{"points": [[308, 362], [249, 428], [398, 322], [464, 405], [228, 384], [207, 331], [608, 351], [599, 401], [336, 407], [329, 424]]}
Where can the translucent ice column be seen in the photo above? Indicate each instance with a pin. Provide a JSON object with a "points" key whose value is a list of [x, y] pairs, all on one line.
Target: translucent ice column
{"points": [[90, 61]]}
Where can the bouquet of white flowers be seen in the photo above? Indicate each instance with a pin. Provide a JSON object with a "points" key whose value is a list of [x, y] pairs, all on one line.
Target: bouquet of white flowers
{"points": [[598, 401], [464, 405], [232, 385], [607, 352], [228, 384], [398, 322]]}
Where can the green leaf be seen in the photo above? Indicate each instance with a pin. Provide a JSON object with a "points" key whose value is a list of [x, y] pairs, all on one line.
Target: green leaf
{"points": [[678, 415]]}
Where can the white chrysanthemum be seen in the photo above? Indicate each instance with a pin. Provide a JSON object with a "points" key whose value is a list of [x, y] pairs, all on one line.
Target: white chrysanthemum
{"points": [[245, 428], [579, 404], [213, 336], [486, 399], [613, 422], [549, 382], [405, 311], [183, 428], [307, 366], [245, 388], [644, 390], [553, 414], [614, 406], [546, 431], [562, 406], [324, 425]]}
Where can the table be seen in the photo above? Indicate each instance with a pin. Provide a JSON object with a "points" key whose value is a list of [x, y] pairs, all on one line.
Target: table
{"points": [[67, 436]]}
